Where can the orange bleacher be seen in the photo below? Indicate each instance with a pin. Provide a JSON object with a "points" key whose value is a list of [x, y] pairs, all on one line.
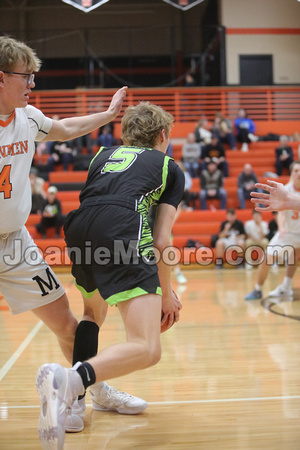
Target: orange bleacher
{"points": [[263, 105], [197, 225]]}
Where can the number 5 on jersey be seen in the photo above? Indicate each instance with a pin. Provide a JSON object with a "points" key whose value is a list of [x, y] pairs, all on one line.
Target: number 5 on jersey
{"points": [[5, 184], [124, 157]]}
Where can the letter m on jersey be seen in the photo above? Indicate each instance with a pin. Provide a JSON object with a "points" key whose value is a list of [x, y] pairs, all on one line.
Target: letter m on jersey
{"points": [[48, 285]]}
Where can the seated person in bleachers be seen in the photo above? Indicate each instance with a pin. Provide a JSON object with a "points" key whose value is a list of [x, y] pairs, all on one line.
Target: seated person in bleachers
{"points": [[37, 191], [106, 137], [231, 233], [60, 153], [211, 182], [256, 231], [202, 134], [246, 181], [245, 129], [191, 153], [188, 197], [189, 80], [284, 155], [41, 148], [83, 141], [273, 226], [51, 213], [223, 129], [215, 151]]}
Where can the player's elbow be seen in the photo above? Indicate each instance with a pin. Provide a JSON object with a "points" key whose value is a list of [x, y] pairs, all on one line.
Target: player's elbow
{"points": [[161, 243]]}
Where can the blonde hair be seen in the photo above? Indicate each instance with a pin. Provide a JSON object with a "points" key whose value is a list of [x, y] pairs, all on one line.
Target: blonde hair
{"points": [[12, 52], [143, 123]]}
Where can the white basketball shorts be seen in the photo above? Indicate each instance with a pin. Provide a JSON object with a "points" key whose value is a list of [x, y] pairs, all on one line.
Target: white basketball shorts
{"points": [[26, 280]]}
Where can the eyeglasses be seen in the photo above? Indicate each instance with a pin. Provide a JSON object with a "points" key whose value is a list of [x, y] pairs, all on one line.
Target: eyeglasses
{"points": [[30, 76]]}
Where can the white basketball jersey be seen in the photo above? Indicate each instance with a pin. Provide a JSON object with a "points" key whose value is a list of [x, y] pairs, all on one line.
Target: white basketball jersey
{"points": [[292, 218], [17, 136]]}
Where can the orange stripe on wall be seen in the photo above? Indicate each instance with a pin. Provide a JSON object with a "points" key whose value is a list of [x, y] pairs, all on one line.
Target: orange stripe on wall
{"points": [[263, 31]]}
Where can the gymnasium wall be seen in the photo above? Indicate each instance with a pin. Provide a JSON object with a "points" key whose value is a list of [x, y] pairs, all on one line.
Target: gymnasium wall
{"points": [[263, 27]]}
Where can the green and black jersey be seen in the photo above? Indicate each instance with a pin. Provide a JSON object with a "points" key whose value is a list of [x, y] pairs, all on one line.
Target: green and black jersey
{"points": [[142, 176], [148, 176], [122, 184]]}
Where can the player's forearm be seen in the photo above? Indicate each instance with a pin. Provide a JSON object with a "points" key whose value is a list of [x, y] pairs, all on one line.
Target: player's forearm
{"points": [[281, 221], [164, 269], [74, 127]]}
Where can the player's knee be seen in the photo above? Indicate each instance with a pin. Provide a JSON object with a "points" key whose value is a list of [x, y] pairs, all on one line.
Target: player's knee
{"points": [[153, 355], [67, 328]]}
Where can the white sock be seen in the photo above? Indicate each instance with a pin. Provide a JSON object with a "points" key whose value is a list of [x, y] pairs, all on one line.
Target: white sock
{"points": [[287, 282], [258, 287]]}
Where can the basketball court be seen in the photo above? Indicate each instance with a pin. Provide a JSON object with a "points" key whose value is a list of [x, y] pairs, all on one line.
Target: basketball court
{"points": [[228, 378]]}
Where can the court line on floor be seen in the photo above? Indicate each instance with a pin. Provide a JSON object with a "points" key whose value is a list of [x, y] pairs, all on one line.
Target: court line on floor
{"points": [[187, 402], [8, 365]]}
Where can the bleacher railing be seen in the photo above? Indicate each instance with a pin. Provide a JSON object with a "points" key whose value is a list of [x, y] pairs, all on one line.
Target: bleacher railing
{"points": [[186, 104]]}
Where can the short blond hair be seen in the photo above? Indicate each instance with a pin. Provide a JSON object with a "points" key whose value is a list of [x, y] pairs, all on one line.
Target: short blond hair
{"points": [[12, 52], [143, 123]]}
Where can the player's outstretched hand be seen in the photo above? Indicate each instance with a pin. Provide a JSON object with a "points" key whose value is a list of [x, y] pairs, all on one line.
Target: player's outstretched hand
{"points": [[170, 312], [117, 101], [275, 200]]}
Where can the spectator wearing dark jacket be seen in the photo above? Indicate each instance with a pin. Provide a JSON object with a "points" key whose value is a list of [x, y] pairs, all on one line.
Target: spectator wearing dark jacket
{"points": [[211, 181], [51, 213], [215, 151], [284, 155], [246, 182], [232, 233]]}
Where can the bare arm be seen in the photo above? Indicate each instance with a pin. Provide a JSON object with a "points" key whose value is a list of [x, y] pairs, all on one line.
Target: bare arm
{"points": [[70, 128], [278, 198], [164, 220]]}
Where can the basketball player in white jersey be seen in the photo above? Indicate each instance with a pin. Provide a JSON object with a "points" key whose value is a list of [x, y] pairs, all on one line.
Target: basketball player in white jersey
{"points": [[26, 280], [286, 241]]}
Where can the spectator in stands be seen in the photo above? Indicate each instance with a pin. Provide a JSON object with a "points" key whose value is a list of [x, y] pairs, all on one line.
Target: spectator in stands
{"points": [[106, 137], [215, 151], [188, 197], [232, 233], [284, 155], [223, 129], [256, 231], [246, 184], [60, 153], [41, 148], [245, 129], [189, 80], [83, 141], [191, 153], [211, 182], [273, 226], [51, 213], [37, 191], [202, 134]]}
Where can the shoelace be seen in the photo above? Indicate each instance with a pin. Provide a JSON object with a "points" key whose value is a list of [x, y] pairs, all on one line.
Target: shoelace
{"points": [[114, 394]]}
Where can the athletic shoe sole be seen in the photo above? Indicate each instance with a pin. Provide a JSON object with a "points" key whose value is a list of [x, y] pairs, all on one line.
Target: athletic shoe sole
{"points": [[49, 379]]}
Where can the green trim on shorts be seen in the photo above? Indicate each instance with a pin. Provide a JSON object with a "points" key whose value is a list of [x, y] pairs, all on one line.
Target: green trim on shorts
{"points": [[84, 292], [127, 295]]}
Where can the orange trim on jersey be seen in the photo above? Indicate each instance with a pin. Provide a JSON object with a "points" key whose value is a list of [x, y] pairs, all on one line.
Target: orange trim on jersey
{"points": [[7, 122], [263, 31]]}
